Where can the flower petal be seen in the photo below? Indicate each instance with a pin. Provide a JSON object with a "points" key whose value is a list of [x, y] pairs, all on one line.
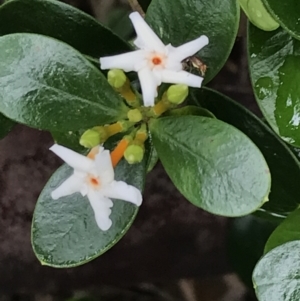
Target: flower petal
{"points": [[69, 186], [181, 77], [122, 191], [101, 206], [146, 37], [75, 160], [188, 49], [104, 166], [126, 61], [149, 86]]}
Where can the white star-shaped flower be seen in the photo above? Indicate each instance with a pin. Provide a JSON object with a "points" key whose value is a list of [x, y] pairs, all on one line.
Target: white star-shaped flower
{"points": [[94, 177], [154, 61]]}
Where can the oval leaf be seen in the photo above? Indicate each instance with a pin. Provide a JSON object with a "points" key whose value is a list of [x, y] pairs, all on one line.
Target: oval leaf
{"points": [[215, 166], [5, 126], [258, 15], [47, 84], [180, 21], [64, 231], [274, 60], [276, 276], [287, 231], [62, 22], [284, 196], [286, 14]]}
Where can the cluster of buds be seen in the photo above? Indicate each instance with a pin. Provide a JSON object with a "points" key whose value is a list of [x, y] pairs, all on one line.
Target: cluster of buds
{"points": [[131, 147], [155, 63]]}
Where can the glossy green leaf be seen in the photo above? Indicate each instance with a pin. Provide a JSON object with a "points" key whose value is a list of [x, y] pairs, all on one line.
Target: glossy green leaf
{"points": [[214, 165], [258, 15], [47, 84], [286, 13], [63, 22], [276, 276], [5, 126], [190, 110], [274, 58], [287, 231], [246, 240], [180, 21], [284, 196], [64, 231]]}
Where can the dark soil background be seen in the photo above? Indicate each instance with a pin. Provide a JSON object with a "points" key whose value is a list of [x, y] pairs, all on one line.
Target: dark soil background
{"points": [[174, 251]]}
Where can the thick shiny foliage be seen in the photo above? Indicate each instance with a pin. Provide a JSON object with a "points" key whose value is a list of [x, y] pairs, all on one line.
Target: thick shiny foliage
{"points": [[5, 126], [214, 165], [258, 15], [284, 196], [276, 276], [287, 231], [274, 58], [286, 13], [64, 231], [60, 21], [180, 21], [47, 84]]}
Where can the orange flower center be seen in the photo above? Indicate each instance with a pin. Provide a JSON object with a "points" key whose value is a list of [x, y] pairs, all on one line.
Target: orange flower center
{"points": [[156, 60], [94, 182]]}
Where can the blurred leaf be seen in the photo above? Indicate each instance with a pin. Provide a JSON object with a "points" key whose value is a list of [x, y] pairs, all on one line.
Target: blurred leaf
{"points": [[276, 276], [180, 21], [286, 13], [119, 23], [274, 58], [48, 85], [64, 231], [284, 196], [214, 165], [63, 22], [246, 241], [258, 15]]}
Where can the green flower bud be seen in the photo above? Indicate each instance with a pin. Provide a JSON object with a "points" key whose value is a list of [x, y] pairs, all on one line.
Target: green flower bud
{"points": [[134, 154], [176, 94], [134, 115], [93, 137], [116, 78]]}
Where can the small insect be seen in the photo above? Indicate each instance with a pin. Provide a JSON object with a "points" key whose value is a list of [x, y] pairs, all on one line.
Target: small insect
{"points": [[194, 62]]}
